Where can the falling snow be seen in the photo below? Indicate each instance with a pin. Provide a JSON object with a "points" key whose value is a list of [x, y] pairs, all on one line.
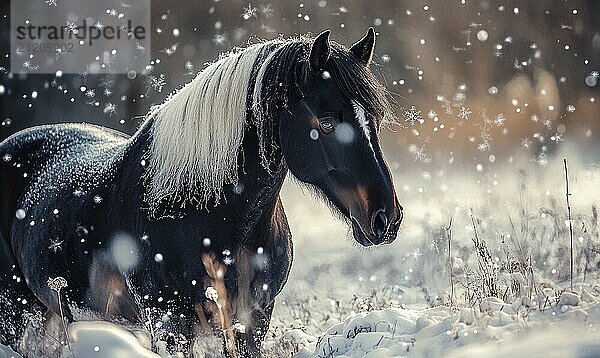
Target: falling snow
{"points": [[412, 115]]}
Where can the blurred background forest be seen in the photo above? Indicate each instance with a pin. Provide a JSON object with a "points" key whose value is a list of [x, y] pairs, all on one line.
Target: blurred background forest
{"points": [[474, 82]]}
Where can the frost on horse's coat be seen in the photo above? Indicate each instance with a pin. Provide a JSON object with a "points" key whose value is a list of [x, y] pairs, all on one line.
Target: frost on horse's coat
{"points": [[129, 222]]}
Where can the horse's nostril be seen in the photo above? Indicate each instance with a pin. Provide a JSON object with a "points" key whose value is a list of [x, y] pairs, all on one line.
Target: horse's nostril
{"points": [[379, 223]]}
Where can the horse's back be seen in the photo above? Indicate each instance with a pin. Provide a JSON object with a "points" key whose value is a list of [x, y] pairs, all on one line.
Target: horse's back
{"points": [[62, 153]]}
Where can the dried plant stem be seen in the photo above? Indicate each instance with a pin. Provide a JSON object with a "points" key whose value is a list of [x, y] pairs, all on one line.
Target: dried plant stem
{"points": [[57, 284], [476, 239], [62, 320], [449, 235], [567, 194]]}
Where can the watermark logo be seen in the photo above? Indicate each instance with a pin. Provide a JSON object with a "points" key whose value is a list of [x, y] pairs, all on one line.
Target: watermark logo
{"points": [[79, 36]]}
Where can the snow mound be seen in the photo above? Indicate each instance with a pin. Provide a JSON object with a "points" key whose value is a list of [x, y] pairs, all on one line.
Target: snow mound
{"points": [[569, 298], [6, 352], [385, 333], [492, 328], [103, 339]]}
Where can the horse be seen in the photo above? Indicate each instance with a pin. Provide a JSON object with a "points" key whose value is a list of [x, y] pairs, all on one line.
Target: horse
{"points": [[185, 215]]}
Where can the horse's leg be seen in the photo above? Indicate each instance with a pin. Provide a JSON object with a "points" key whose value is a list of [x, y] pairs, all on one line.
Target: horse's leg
{"points": [[17, 303], [251, 340]]}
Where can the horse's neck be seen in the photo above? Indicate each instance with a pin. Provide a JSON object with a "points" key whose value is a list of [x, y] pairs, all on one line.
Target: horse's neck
{"points": [[260, 187]]}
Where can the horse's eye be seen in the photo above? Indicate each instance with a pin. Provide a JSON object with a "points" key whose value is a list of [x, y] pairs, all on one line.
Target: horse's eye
{"points": [[326, 124]]}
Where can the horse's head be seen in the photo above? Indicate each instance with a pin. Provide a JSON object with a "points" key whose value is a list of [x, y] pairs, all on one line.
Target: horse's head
{"points": [[329, 136]]}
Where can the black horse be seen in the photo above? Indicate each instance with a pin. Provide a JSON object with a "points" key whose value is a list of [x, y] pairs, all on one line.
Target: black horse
{"points": [[185, 214]]}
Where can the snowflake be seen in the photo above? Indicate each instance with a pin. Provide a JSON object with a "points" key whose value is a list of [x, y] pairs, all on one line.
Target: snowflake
{"points": [[419, 153], [558, 137], [268, 29], [78, 192], [110, 109], [525, 142], [412, 115], [219, 39], [107, 92], [90, 93], [448, 108], [542, 159], [28, 65], [51, 2], [113, 12], [227, 260], [189, 67], [56, 245], [432, 114], [547, 123], [266, 10], [249, 12], [570, 108], [156, 82], [464, 113], [500, 120], [416, 253], [385, 58], [99, 25], [169, 51], [483, 146], [71, 26], [459, 97]]}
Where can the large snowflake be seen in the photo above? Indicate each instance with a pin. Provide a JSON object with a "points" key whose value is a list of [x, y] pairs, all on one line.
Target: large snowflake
{"points": [[249, 12], [464, 113], [156, 82], [412, 115]]}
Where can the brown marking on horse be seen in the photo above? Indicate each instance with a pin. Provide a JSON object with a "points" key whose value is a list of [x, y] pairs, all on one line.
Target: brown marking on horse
{"points": [[119, 301], [221, 309]]}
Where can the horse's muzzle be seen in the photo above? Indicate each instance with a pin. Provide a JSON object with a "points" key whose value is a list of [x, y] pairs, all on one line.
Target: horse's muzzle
{"points": [[384, 228]]}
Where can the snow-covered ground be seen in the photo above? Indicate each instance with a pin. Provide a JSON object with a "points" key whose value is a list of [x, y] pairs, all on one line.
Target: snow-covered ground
{"points": [[508, 292], [395, 300]]}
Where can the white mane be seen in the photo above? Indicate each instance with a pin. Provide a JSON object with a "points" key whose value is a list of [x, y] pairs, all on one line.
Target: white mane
{"points": [[198, 131]]}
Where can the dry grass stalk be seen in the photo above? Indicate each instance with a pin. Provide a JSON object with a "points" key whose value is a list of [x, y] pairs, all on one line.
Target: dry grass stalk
{"points": [[567, 194]]}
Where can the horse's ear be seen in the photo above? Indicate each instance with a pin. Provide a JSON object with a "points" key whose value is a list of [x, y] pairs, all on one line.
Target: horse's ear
{"points": [[319, 52], [363, 49]]}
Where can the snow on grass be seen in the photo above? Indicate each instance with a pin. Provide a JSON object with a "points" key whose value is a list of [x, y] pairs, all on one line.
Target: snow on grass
{"points": [[509, 263]]}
